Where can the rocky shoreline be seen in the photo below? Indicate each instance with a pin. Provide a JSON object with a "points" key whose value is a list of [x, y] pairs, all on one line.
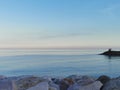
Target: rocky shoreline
{"points": [[73, 82]]}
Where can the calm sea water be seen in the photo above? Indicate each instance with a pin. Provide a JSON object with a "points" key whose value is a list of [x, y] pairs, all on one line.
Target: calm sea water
{"points": [[15, 62]]}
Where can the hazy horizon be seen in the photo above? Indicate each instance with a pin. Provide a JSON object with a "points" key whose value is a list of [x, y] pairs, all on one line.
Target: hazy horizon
{"points": [[59, 24]]}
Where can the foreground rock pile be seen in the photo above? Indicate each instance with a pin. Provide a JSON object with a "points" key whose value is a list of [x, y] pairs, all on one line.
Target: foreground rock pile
{"points": [[73, 82]]}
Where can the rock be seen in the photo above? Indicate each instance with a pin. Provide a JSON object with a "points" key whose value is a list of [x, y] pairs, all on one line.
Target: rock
{"points": [[113, 84], [85, 80], [7, 85], [2, 77], [47, 78], [80, 80], [54, 86], [56, 80], [27, 82], [85, 83], [103, 79], [40, 86], [77, 78], [93, 86], [69, 81], [63, 85]]}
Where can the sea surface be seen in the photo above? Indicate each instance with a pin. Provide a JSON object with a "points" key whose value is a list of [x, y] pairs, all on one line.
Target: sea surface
{"points": [[57, 62]]}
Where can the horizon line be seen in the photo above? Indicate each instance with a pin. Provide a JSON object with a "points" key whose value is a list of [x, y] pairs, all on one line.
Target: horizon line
{"points": [[59, 47]]}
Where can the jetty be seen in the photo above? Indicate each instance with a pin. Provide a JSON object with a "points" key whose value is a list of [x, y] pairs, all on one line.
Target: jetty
{"points": [[111, 53]]}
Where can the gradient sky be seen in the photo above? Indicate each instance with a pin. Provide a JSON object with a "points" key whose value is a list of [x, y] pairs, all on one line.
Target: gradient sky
{"points": [[59, 23]]}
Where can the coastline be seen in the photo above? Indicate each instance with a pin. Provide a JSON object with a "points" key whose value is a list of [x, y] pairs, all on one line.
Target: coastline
{"points": [[72, 82]]}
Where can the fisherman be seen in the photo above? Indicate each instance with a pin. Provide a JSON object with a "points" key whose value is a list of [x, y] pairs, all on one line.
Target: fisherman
{"points": [[109, 50]]}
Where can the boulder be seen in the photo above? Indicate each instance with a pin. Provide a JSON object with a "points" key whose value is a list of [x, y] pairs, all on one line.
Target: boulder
{"points": [[2, 77], [40, 86], [85, 80], [113, 84], [63, 85], [92, 86], [104, 79], [56, 80], [85, 83], [54, 86], [78, 78], [7, 85], [26, 82]]}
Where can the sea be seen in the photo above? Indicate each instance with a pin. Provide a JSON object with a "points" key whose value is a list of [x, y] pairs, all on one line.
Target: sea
{"points": [[57, 62]]}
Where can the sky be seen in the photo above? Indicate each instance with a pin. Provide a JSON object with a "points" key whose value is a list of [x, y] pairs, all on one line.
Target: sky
{"points": [[59, 23]]}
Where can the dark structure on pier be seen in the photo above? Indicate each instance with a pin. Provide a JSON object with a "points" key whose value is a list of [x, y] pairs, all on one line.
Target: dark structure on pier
{"points": [[111, 53]]}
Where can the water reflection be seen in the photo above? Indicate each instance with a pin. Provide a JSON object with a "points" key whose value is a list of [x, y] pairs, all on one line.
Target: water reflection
{"points": [[112, 57]]}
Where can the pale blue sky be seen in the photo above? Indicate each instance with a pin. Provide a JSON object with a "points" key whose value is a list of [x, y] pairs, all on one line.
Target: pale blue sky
{"points": [[59, 23]]}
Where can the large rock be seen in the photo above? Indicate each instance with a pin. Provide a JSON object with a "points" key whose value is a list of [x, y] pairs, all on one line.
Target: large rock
{"points": [[93, 86], [40, 86], [56, 80], [113, 84], [104, 79], [27, 82], [2, 77], [7, 85], [85, 83], [79, 78], [65, 83], [53, 86], [85, 80]]}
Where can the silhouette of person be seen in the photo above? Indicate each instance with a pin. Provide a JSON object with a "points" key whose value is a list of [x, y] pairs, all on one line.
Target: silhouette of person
{"points": [[109, 50]]}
